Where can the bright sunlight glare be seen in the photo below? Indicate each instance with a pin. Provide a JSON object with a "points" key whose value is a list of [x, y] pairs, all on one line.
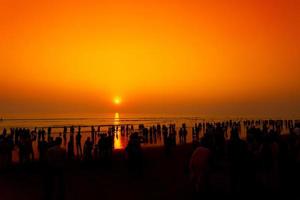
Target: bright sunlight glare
{"points": [[117, 100]]}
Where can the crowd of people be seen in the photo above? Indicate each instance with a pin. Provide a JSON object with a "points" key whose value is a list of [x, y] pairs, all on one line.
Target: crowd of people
{"points": [[24, 140], [265, 157]]}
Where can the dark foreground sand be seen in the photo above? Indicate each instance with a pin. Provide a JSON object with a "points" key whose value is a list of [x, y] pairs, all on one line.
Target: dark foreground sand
{"points": [[162, 178]]}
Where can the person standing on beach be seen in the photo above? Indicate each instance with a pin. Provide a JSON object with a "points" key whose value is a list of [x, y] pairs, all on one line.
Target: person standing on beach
{"points": [[54, 178], [43, 134], [28, 146], [134, 154], [78, 143], [49, 132], [39, 135], [154, 134], [93, 134], [87, 149], [6, 148], [72, 130], [65, 135], [184, 131], [42, 147], [237, 154], [199, 169], [71, 147]]}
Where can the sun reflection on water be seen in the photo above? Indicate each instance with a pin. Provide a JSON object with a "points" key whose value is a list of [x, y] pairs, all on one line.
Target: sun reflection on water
{"points": [[118, 144]]}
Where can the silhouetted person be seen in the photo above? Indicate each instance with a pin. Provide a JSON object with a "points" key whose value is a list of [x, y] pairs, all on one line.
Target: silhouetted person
{"points": [[151, 135], [145, 133], [169, 144], [180, 136], [87, 149], [22, 150], [134, 153], [65, 135], [199, 169], [43, 148], [219, 139], [72, 129], [78, 144], [49, 132], [6, 147], [154, 134], [17, 136], [184, 131], [43, 134], [101, 146], [39, 134], [56, 157], [93, 134], [267, 161], [29, 147], [71, 155], [165, 134], [10, 148], [237, 157]]}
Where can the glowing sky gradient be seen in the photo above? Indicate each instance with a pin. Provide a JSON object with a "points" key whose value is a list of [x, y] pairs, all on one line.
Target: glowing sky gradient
{"points": [[179, 56]]}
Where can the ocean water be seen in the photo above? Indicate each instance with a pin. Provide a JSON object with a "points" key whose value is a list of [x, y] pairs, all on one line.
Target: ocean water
{"points": [[60, 120]]}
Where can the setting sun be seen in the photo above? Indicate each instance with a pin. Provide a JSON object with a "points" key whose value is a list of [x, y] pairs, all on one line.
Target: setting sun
{"points": [[117, 100]]}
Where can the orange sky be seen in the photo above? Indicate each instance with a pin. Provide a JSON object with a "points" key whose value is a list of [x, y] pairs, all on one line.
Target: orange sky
{"points": [[228, 57]]}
